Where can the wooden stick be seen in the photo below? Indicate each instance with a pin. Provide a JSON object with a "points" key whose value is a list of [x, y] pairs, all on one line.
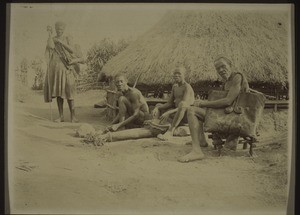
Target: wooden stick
{"points": [[267, 96], [51, 112], [112, 107], [111, 91], [49, 88], [136, 80]]}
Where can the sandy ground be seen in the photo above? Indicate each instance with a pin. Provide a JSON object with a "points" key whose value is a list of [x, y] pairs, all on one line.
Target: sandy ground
{"points": [[51, 171]]}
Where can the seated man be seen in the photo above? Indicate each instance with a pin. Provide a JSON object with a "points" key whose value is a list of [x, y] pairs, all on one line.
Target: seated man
{"points": [[133, 109], [182, 96], [234, 83]]}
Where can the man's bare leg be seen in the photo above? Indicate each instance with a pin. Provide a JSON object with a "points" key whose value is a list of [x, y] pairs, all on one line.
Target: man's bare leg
{"points": [[60, 105], [159, 112], [177, 119], [72, 111], [124, 107], [197, 133]]}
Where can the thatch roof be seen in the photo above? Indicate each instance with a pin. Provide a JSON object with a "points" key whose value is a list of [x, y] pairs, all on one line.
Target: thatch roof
{"points": [[257, 43]]}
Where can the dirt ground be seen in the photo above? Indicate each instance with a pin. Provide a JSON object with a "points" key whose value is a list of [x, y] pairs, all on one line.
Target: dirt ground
{"points": [[51, 171]]}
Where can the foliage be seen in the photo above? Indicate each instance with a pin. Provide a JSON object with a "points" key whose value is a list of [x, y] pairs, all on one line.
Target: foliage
{"points": [[37, 66], [21, 71], [102, 52]]}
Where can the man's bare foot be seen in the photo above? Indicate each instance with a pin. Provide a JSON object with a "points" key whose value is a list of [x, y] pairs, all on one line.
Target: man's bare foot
{"points": [[60, 119], [192, 156], [74, 120], [166, 136]]}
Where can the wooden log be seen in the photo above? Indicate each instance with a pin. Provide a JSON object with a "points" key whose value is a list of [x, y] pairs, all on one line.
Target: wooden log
{"points": [[129, 134]]}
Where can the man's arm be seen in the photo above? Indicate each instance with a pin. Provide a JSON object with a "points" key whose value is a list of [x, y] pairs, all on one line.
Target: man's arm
{"points": [[170, 102], [116, 119], [77, 60], [233, 92], [187, 100], [49, 47], [50, 43], [135, 101], [68, 46], [189, 95]]}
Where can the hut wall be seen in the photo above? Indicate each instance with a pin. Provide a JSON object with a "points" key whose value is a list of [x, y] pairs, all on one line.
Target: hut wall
{"points": [[278, 92]]}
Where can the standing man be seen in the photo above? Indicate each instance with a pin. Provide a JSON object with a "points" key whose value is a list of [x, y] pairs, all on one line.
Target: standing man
{"points": [[62, 59], [182, 96], [133, 108], [234, 83]]}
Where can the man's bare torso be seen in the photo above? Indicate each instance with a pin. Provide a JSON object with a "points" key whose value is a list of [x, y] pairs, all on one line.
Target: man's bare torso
{"points": [[229, 83], [179, 91], [134, 93]]}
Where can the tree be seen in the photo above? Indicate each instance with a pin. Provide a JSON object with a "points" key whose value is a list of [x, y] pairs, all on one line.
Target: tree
{"points": [[37, 66], [24, 66], [100, 53]]}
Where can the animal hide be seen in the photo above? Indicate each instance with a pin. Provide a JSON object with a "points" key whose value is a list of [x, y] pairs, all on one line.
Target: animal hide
{"points": [[241, 118]]}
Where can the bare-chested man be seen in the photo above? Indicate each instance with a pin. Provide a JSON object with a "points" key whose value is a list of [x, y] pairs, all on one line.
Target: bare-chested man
{"points": [[234, 83], [182, 96], [133, 108]]}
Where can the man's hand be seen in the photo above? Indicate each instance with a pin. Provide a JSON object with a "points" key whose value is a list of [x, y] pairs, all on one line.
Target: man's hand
{"points": [[198, 103], [165, 116], [114, 127], [49, 30], [56, 40], [155, 112]]}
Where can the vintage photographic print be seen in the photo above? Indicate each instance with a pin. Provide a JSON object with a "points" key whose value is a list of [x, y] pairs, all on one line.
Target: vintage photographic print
{"points": [[161, 108]]}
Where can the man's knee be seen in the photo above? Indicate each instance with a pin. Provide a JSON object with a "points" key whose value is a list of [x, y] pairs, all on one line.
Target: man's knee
{"points": [[183, 105], [190, 111], [196, 111], [122, 99]]}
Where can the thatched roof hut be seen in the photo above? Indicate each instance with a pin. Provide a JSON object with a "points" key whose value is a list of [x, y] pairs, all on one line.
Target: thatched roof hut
{"points": [[257, 43]]}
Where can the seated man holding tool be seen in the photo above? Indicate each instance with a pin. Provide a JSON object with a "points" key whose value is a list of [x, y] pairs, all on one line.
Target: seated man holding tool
{"points": [[133, 108]]}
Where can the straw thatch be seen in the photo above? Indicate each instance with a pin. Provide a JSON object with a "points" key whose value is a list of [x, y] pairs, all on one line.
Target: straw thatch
{"points": [[256, 42]]}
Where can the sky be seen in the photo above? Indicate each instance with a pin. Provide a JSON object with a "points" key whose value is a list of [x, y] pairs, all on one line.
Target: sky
{"points": [[85, 22], [89, 23]]}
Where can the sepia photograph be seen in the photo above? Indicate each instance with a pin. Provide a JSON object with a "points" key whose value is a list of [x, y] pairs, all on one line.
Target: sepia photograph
{"points": [[150, 108]]}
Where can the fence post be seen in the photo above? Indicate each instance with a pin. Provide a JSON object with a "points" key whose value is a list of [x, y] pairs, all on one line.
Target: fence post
{"points": [[112, 99], [277, 97]]}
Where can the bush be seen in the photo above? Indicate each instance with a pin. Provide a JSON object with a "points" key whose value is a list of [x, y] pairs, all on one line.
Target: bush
{"points": [[100, 53]]}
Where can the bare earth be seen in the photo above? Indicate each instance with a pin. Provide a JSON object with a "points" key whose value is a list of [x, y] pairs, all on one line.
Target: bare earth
{"points": [[51, 171]]}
